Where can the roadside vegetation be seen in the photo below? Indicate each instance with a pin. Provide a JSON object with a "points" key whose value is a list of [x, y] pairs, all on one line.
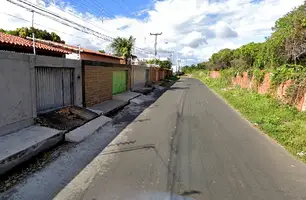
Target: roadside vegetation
{"points": [[283, 54]]}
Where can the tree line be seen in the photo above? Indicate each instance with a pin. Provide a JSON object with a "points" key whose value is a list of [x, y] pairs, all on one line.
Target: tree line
{"points": [[40, 34]]}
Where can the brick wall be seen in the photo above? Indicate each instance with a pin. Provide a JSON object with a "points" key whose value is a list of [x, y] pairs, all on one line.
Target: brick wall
{"points": [[97, 84], [100, 58], [161, 74], [154, 74]]}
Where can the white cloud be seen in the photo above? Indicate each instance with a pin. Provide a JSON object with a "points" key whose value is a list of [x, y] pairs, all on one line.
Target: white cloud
{"points": [[223, 30], [194, 28]]}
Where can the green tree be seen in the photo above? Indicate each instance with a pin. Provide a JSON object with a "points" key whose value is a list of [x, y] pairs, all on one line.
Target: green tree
{"points": [[167, 64], [102, 51], [286, 45], [40, 34], [123, 47], [221, 60]]}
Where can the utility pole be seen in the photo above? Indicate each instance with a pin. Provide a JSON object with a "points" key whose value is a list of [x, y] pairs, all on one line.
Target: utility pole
{"points": [[33, 35], [155, 45]]}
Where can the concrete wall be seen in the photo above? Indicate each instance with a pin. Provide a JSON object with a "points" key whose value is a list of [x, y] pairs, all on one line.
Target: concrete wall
{"points": [[18, 89], [138, 76], [17, 107]]}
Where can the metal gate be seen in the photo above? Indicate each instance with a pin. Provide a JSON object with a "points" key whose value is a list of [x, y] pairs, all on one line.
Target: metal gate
{"points": [[119, 81], [54, 88]]}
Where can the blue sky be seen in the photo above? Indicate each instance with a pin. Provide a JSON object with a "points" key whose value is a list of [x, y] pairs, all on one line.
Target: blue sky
{"points": [[193, 29], [127, 8]]}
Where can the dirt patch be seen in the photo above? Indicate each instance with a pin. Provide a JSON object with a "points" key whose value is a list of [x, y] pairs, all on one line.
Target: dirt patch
{"points": [[67, 118]]}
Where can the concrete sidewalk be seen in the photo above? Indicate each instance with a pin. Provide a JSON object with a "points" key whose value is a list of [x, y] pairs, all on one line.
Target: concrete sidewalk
{"points": [[22, 145]]}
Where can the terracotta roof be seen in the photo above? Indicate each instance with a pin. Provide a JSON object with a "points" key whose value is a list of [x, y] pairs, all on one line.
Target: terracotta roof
{"points": [[99, 53], [19, 41], [83, 49]]}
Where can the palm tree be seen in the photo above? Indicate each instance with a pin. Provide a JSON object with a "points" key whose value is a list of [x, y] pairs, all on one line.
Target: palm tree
{"points": [[123, 47]]}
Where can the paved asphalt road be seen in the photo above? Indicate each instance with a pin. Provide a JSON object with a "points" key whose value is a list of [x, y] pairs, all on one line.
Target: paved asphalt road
{"points": [[190, 143]]}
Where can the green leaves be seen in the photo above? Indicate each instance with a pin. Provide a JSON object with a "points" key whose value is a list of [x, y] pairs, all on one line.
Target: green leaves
{"points": [[123, 46], [40, 34], [163, 64]]}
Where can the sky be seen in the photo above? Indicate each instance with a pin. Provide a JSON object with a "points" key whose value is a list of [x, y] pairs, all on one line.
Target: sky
{"points": [[192, 29]]}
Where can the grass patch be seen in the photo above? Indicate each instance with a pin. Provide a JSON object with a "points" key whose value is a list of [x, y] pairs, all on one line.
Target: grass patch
{"points": [[281, 122]]}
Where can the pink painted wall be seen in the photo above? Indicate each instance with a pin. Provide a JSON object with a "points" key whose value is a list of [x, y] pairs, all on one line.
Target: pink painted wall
{"points": [[214, 74], [265, 85]]}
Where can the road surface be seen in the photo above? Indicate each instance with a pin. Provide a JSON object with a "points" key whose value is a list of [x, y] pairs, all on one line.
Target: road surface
{"points": [[190, 143]]}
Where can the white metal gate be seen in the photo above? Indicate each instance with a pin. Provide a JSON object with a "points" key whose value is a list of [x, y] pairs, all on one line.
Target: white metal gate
{"points": [[54, 88]]}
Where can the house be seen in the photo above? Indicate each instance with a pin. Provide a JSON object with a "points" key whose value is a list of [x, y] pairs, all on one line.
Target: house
{"points": [[22, 45], [87, 54], [80, 53]]}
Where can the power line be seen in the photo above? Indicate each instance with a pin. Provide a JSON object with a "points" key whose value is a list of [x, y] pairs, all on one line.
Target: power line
{"points": [[97, 5], [44, 26], [66, 21], [126, 6], [123, 8], [59, 20]]}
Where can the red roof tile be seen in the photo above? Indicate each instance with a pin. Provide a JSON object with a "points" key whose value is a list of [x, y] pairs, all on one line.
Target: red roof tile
{"points": [[83, 50], [99, 53], [93, 52], [19, 41]]}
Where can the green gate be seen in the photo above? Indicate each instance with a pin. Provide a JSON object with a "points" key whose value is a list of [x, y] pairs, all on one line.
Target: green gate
{"points": [[119, 81]]}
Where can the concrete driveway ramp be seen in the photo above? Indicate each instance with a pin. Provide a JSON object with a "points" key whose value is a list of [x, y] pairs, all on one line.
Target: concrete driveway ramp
{"points": [[108, 107], [143, 90], [22, 145], [81, 133], [126, 96], [141, 99]]}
